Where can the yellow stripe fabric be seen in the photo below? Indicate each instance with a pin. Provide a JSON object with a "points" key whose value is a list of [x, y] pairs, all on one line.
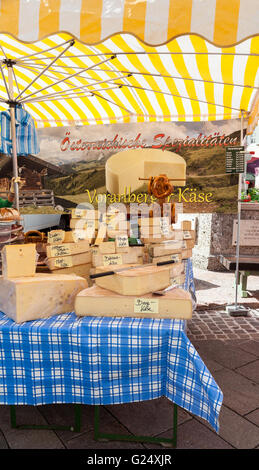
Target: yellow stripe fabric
{"points": [[96, 20], [226, 21], [179, 81]]}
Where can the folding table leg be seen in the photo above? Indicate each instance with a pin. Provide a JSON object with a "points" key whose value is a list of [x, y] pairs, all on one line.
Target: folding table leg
{"points": [[165, 442], [75, 427]]}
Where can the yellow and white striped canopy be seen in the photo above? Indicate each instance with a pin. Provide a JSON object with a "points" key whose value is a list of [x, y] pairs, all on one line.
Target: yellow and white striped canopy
{"points": [[121, 78], [222, 22]]}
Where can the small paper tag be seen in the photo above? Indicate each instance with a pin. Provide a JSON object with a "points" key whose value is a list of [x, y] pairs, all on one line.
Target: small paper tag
{"points": [[78, 213], [142, 305], [186, 235], [56, 236], [111, 260], [122, 241], [60, 250], [164, 225], [63, 262]]}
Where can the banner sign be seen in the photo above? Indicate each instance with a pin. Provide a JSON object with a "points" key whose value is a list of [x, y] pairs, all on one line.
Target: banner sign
{"points": [[70, 169]]}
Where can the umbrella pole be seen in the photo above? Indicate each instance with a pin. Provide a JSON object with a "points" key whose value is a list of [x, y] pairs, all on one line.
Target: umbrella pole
{"points": [[12, 106]]}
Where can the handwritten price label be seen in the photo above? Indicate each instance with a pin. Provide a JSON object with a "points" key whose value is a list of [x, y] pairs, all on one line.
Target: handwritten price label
{"points": [[59, 250], [56, 236], [63, 262], [142, 305], [122, 241], [112, 260]]}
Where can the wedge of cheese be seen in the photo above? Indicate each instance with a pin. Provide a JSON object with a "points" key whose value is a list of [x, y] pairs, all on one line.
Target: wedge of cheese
{"points": [[138, 281], [66, 249], [60, 262], [19, 260], [95, 301], [40, 296], [123, 169]]}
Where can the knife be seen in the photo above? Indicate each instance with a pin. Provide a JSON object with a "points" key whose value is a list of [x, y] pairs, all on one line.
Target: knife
{"points": [[110, 273]]}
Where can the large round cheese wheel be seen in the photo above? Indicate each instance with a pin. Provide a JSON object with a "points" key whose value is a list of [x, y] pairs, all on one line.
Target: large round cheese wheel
{"points": [[124, 169]]}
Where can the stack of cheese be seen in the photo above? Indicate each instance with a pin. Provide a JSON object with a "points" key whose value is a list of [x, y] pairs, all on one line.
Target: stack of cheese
{"points": [[136, 291], [25, 295], [84, 224], [116, 253], [117, 224], [67, 254], [164, 243]]}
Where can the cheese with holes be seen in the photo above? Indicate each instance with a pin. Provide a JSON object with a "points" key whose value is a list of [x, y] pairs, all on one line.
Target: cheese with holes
{"points": [[95, 301], [40, 296], [123, 169], [19, 260], [66, 249], [69, 261], [136, 281]]}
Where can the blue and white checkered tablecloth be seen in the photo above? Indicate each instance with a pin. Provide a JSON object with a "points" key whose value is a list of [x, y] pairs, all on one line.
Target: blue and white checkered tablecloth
{"points": [[100, 360]]}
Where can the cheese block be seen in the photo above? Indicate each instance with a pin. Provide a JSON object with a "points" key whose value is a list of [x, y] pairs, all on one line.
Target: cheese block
{"points": [[88, 214], [111, 233], [186, 225], [136, 281], [69, 261], [186, 254], [107, 247], [177, 280], [123, 169], [83, 224], [187, 244], [165, 248], [82, 270], [176, 269], [19, 260], [95, 301], [70, 237], [114, 259], [176, 257], [39, 296], [56, 236], [174, 235], [146, 232], [145, 222], [139, 250], [65, 249]]}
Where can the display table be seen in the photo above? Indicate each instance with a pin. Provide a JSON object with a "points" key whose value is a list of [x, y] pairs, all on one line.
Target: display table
{"points": [[101, 361]]}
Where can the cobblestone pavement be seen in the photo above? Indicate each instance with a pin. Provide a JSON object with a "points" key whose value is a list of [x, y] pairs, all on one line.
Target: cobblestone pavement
{"points": [[217, 324]]}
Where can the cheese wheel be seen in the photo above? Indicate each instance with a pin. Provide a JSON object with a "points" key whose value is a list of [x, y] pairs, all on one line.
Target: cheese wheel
{"points": [[123, 169]]}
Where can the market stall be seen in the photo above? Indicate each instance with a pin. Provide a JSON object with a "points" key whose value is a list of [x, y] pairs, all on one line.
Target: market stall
{"points": [[98, 72]]}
